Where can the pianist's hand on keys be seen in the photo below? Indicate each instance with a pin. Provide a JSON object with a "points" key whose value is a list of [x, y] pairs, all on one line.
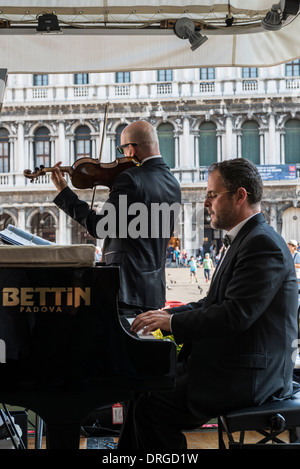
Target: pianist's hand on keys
{"points": [[152, 320]]}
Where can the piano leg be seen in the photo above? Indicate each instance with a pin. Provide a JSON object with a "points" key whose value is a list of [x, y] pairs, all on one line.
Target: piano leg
{"points": [[63, 413], [127, 438], [62, 436]]}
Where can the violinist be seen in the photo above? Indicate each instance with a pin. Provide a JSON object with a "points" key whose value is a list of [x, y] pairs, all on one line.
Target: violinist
{"points": [[140, 252]]}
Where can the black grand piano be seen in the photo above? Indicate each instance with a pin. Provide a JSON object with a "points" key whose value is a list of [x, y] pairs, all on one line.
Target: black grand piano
{"points": [[67, 351]]}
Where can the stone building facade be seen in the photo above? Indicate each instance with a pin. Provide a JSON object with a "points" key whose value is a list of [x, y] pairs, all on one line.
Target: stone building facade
{"points": [[201, 116]]}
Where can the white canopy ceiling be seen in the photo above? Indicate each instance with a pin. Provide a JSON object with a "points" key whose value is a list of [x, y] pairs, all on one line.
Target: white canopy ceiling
{"points": [[120, 35]]}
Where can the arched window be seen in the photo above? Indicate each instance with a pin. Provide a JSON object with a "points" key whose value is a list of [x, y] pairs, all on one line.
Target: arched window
{"points": [[4, 151], [5, 220], [43, 225], [118, 138], [290, 223], [292, 141], [208, 150], [250, 142], [167, 143], [42, 150], [83, 143]]}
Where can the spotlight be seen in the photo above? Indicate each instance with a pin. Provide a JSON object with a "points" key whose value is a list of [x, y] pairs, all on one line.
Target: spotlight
{"points": [[229, 20], [272, 20], [48, 23], [184, 28]]}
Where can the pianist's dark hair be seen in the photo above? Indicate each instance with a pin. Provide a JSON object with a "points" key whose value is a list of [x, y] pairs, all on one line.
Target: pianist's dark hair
{"points": [[240, 172]]}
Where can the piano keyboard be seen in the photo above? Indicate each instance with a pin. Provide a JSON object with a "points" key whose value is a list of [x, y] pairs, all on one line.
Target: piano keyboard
{"points": [[126, 322]]}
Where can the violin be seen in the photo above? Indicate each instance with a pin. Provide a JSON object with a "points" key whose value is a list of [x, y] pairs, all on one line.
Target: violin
{"points": [[87, 173]]}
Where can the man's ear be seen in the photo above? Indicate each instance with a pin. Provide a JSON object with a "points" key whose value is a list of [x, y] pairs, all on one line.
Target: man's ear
{"points": [[241, 194]]}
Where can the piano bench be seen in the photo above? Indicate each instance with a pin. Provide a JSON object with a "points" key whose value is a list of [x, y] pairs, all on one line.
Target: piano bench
{"points": [[270, 419]]}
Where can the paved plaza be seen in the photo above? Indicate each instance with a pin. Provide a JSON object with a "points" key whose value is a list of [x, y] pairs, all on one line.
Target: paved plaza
{"points": [[179, 287]]}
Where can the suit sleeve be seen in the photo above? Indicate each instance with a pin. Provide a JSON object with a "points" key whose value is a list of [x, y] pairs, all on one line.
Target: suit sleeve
{"points": [[79, 210], [244, 294], [186, 307]]}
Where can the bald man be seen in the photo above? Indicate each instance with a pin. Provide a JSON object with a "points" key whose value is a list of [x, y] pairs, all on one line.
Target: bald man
{"points": [[137, 220]]}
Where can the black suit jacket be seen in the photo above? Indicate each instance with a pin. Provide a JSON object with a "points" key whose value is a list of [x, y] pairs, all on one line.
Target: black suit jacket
{"points": [[242, 332], [142, 258]]}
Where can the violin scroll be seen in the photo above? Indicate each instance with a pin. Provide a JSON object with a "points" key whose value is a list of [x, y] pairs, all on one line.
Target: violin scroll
{"points": [[41, 171], [36, 173]]}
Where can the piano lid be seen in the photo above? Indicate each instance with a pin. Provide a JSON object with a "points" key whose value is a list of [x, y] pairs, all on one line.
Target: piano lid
{"points": [[82, 255]]}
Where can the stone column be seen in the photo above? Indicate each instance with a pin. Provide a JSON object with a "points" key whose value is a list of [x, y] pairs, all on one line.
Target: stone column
{"points": [[30, 152], [20, 161], [273, 215], [282, 146], [271, 156], [71, 149], [21, 219], [177, 156], [239, 142], [61, 148], [219, 134], [262, 146], [228, 138], [53, 149], [185, 153], [63, 233]]}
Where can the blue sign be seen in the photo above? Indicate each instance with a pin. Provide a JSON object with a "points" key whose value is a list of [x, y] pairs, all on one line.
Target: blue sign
{"points": [[277, 172]]}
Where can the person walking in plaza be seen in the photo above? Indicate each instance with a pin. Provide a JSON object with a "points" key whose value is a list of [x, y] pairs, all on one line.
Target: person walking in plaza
{"points": [[293, 247], [193, 269], [176, 255], [207, 266], [184, 257], [238, 341]]}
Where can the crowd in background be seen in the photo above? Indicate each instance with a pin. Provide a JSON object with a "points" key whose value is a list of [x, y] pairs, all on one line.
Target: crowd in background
{"points": [[208, 257]]}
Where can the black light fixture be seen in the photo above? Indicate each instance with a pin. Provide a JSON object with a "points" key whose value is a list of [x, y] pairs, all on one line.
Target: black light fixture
{"points": [[229, 18], [185, 29], [48, 23], [272, 21], [279, 14]]}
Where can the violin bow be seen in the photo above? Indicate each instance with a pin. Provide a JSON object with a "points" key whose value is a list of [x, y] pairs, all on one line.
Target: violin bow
{"points": [[101, 147]]}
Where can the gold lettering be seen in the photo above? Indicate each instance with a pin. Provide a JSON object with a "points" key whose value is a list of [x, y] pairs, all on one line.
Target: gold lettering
{"points": [[10, 296], [69, 296], [26, 296], [58, 291], [42, 292], [80, 293]]}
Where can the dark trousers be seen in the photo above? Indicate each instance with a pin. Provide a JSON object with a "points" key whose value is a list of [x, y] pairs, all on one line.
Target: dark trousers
{"points": [[161, 417]]}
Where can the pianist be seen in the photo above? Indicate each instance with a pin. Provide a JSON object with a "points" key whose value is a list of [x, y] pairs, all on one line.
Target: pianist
{"points": [[141, 257], [237, 348]]}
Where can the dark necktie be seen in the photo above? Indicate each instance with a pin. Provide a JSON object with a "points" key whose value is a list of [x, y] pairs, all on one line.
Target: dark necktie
{"points": [[226, 241]]}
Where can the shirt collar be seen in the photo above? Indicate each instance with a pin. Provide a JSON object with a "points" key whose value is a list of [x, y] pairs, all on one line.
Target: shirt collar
{"points": [[234, 231], [150, 158]]}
